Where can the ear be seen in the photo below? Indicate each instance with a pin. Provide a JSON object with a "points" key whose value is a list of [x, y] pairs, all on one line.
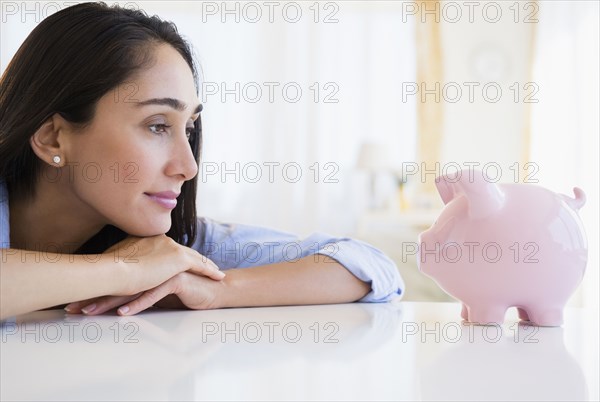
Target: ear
{"points": [[446, 186], [50, 140], [484, 197]]}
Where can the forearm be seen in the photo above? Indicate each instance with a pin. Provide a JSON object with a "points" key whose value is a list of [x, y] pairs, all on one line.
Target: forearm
{"points": [[316, 279], [31, 281]]}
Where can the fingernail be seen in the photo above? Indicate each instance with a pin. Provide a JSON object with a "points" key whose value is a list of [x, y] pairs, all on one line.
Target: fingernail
{"points": [[88, 309], [123, 310], [68, 308], [221, 274]]}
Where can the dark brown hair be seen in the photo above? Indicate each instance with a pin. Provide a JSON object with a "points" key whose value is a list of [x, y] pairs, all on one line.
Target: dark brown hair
{"points": [[66, 64]]}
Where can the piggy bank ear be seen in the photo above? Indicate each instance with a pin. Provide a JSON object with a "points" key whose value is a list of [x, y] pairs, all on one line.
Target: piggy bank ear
{"points": [[483, 196], [447, 187]]}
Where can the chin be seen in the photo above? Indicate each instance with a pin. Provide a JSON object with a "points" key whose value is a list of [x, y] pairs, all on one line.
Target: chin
{"points": [[148, 229]]}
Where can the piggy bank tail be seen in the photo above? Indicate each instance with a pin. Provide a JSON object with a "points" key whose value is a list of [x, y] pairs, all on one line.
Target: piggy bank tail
{"points": [[577, 202]]}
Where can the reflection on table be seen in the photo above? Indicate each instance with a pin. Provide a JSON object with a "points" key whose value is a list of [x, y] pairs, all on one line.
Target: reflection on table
{"points": [[358, 351]]}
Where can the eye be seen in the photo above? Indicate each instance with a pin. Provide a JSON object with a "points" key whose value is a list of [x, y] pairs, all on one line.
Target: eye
{"points": [[158, 129], [189, 131]]}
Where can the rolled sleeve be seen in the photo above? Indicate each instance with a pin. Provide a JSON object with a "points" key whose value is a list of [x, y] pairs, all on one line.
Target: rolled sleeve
{"points": [[232, 245]]}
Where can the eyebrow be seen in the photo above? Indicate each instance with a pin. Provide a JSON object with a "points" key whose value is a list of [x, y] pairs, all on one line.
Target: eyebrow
{"points": [[171, 102]]}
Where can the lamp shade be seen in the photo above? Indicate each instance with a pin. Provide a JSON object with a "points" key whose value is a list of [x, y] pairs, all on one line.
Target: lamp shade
{"points": [[376, 157]]}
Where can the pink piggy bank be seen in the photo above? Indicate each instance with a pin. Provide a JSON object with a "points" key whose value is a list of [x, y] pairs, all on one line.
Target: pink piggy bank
{"points": [[496, 246]]}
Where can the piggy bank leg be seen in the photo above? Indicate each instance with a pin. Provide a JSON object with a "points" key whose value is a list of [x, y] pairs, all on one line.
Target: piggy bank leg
{"points": [[546, 316], [523, 314], [485, 315], [465, 312]]}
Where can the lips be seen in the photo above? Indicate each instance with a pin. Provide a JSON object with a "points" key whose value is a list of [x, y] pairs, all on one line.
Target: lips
{"points": [[166, 199], [169, 195]]}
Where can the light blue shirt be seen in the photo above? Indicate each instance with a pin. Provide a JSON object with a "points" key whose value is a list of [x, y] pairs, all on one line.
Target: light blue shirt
{"points": [[232, 245]]}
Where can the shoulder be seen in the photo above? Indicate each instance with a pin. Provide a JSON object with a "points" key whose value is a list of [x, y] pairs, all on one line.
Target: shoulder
{"points": [[216, 231], [4, 218]]}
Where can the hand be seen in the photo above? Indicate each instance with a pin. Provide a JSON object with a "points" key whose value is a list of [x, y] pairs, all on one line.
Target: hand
{"points": [[99, 305], [181, 291], [194, 292], [150, 261]]}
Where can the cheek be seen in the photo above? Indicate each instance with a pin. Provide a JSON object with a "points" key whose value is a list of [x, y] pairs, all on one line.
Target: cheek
{"points": [[114, 170], [113, 185]]}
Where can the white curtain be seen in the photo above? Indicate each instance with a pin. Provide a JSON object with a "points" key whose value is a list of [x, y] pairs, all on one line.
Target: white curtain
{"points": [[565, 126], [349, 67]]}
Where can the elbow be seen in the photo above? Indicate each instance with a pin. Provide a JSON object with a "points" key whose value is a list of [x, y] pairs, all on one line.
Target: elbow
{"points": [[386, 283], [362, 290]]}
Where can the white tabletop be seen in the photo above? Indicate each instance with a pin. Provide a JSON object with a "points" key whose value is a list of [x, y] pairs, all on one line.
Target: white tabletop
{"points": [[392, 351]]}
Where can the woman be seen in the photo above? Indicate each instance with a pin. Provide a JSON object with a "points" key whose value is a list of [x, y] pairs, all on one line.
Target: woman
{"points": [[100, 139]]}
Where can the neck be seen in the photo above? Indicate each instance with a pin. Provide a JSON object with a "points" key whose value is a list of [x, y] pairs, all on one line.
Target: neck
{"points": [[54, 220]]}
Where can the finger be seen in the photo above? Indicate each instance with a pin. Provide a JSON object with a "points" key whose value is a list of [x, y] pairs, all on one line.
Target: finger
{"points": [[206, 267], [170, 302], [75, 307], [107, 303], [148, 298]]}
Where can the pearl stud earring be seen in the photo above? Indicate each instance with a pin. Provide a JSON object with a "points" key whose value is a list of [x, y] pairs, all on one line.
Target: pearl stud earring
{"points": [[56, 159]]}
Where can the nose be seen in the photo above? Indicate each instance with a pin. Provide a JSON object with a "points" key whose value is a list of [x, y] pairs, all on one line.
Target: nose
{"points": [[182, 161]]}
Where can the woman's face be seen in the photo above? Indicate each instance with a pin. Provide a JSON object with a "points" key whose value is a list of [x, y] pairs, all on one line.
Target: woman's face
{"points": [[137, 147]]}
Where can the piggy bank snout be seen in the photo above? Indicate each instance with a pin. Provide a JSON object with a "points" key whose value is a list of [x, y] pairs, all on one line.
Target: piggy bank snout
{"points": [[426, 242]]}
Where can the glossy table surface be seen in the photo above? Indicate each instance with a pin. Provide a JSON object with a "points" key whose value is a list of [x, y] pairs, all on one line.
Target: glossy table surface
{"points": [[392, 351]]}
